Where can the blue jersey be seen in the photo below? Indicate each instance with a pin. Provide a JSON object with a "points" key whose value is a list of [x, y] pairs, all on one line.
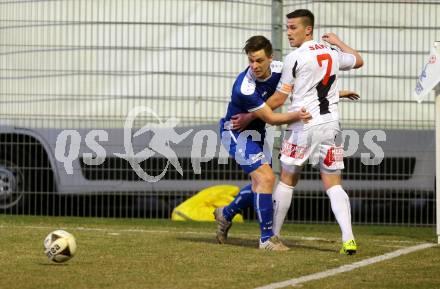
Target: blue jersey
{"points": [[250, 94]]}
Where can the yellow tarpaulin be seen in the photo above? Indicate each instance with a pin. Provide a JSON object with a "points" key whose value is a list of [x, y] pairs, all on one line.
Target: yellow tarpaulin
{"points": [[201, 206]]}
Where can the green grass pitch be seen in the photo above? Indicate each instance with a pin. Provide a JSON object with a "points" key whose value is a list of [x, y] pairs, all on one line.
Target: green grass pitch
{"points": [[144, 253]]}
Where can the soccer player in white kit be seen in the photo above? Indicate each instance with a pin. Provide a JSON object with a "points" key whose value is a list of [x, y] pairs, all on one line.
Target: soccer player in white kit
{"points": [[310, 77]]}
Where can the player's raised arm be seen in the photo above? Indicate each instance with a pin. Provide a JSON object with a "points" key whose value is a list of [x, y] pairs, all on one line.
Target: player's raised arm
{"points": [[333, 39]]}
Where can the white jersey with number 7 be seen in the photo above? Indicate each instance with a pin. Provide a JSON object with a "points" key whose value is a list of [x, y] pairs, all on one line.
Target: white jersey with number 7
{"points": [[310, 77]]}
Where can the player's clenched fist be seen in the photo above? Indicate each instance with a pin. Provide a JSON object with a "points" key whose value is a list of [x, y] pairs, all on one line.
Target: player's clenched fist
{"points": [[331, 38], [304, 115]]}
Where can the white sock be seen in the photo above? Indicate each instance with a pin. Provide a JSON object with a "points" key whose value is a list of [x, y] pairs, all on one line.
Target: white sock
{"points": [[281, 198], [341, 208]]}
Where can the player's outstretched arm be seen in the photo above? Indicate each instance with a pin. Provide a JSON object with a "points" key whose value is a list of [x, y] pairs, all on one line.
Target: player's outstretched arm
{"points": [[276, 100], [333, 39], [242, 120], [268, 116]]}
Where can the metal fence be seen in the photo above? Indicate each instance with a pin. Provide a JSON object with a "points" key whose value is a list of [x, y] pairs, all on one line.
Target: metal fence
{"points": [[79, 67]]}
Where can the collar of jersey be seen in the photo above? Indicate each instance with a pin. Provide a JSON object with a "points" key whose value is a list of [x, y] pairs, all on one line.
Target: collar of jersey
{"points": [[307, 42]]}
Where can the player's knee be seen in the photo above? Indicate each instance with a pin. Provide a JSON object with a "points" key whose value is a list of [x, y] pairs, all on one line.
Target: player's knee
{"points": [[290, 174], [270, 178], [288, 179], [331, 179], [265, 178]]}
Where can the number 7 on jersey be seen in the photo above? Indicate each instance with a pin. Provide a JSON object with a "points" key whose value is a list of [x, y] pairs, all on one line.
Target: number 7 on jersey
{"points": [[321, 58]]}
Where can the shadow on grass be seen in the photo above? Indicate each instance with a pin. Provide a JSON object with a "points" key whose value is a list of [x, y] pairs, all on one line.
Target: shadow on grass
{"points": [[52, 264], [309, 247], [240, 242], [231, 241]]}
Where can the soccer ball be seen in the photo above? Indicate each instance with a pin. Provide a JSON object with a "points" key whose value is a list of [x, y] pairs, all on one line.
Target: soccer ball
{"points": [[59, 246]]}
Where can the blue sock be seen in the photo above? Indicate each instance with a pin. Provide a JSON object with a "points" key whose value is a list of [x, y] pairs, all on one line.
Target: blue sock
{"points": [[243, 200], [263, 208]]}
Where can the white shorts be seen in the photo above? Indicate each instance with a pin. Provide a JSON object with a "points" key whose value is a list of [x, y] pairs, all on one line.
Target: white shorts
{"points": [[320, 145]]}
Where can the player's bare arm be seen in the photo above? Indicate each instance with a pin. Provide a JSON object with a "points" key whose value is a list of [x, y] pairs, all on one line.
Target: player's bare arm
{"points": [[276, 100], [333, 39], [268, 116], [242, 120]]}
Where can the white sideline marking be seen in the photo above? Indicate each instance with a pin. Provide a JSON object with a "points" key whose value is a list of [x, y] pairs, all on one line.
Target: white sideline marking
{"points": [[346, 268]]}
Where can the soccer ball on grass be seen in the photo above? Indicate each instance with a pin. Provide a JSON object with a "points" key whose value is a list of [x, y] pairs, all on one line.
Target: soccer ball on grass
{"points": [[59, 246]]}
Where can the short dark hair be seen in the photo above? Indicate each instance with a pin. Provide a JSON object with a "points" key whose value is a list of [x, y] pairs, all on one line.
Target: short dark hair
{"points": [[306, 15], [256, 43]]}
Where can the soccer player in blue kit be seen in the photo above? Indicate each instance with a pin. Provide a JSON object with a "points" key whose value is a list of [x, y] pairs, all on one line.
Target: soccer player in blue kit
{"points": [[249, 93]]}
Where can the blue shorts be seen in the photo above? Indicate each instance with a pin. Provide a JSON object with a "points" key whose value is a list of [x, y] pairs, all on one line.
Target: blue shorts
{"points": [[246, 148]]}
